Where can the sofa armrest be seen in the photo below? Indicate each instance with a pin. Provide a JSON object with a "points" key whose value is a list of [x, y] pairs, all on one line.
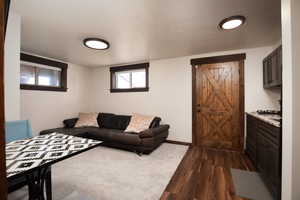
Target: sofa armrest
{"points": [[152, 132], [48, 131]]}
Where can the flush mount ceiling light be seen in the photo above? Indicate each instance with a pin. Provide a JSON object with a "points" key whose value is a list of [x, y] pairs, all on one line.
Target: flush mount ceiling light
{"points": [[232, 22], [96, 43]]}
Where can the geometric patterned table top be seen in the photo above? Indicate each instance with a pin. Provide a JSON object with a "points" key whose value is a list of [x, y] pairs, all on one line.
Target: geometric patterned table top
{"points": [[24, 155]]}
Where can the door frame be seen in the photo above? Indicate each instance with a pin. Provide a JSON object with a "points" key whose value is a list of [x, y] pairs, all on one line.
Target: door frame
{"points": [[212, 60], [4, 10]]}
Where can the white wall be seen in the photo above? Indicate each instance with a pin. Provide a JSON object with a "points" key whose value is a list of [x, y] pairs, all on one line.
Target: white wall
{"points": [[291, 99], [296, 97], [43, 109], [46, 109], [12, 67], [170, 95]]}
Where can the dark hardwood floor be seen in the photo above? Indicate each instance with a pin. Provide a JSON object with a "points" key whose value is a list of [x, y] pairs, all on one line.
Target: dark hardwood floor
{"points": [[204, 174]]}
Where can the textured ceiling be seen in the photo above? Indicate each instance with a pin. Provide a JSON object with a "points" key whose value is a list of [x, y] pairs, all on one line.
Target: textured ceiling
{"points": [[140, 30]]}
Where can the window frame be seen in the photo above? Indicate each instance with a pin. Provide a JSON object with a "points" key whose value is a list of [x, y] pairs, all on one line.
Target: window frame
{"points": [[44, 61], [114, 70]]}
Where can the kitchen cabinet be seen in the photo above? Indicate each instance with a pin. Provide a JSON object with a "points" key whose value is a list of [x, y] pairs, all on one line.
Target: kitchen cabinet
{"points": [[272, 69], [263, 146]]}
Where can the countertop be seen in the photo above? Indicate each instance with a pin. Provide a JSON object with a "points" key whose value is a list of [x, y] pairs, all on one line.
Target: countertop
{"points": [[268, 118]]}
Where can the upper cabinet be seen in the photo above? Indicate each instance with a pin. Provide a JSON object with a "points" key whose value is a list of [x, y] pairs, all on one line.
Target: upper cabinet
{"points": [[272, 69]]}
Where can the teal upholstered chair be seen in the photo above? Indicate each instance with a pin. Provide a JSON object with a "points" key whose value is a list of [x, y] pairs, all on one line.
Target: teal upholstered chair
{"points": [[17, 130]]}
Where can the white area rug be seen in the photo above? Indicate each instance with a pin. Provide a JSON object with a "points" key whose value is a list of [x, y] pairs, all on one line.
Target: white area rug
{"points": [[110, 174]]}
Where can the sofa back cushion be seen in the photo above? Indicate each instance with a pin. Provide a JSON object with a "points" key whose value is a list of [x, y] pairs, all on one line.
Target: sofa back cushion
{"points": [[121, 121], [155, 122], [112, 121], [104, 119], [70, 123]]}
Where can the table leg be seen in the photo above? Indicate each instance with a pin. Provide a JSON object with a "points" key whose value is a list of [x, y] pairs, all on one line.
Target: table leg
{"points": [[48, 185], [36, 183]]}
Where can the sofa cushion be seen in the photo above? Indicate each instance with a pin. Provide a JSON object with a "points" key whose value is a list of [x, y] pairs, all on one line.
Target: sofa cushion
{"points": [[68, 131], [104, 119], [120, 121], [70, 123], [126, 138], [112, 121], [100, 133]]}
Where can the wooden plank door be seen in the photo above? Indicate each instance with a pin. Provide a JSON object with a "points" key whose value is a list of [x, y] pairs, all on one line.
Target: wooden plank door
{"points": [[219, 105]]}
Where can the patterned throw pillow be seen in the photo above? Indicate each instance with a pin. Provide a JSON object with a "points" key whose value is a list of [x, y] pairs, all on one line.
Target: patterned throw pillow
{"points": [[139, 123], [87, 119]]}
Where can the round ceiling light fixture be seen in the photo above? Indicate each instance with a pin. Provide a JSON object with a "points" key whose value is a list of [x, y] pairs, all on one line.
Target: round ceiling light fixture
{"points": [[232, 22], [96, 43]]}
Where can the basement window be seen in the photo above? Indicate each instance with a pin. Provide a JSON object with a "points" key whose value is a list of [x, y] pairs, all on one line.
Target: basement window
{"points": [[42, 74], [130, 78]]}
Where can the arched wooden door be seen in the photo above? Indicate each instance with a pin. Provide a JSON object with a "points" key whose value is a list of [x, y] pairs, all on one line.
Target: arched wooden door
{"points": [[218, 102]]}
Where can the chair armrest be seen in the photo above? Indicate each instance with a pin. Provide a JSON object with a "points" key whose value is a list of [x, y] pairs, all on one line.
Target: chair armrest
{"points": [[152, 132]]}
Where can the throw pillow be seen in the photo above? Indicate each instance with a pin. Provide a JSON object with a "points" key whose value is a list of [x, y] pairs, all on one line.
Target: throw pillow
{"points": [[87, 119], [139, 123]]}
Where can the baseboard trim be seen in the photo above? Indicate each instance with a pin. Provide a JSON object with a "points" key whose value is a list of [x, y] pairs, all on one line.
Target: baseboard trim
{"points": [[178, 142]]}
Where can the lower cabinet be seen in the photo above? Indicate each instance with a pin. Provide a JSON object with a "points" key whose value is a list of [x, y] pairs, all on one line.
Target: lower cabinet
{"points": [[263, 146]]}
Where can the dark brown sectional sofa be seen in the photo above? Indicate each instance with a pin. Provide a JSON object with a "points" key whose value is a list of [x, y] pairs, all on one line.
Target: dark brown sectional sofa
{"points": [[111, 132]]}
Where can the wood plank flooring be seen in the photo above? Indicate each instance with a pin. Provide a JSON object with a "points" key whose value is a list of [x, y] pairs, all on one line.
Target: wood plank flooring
{"points": [[204, 174]]}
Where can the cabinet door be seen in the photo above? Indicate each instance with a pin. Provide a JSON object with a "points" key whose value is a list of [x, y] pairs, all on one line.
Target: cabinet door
{"points": [[251, 138], [279, 59], [268, 163], [273, 168], [274, 68], [267, 72], [262, 155]]}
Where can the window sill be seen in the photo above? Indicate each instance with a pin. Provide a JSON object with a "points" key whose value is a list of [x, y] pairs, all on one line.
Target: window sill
{"points": [[42, 88], [130, 90]]}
